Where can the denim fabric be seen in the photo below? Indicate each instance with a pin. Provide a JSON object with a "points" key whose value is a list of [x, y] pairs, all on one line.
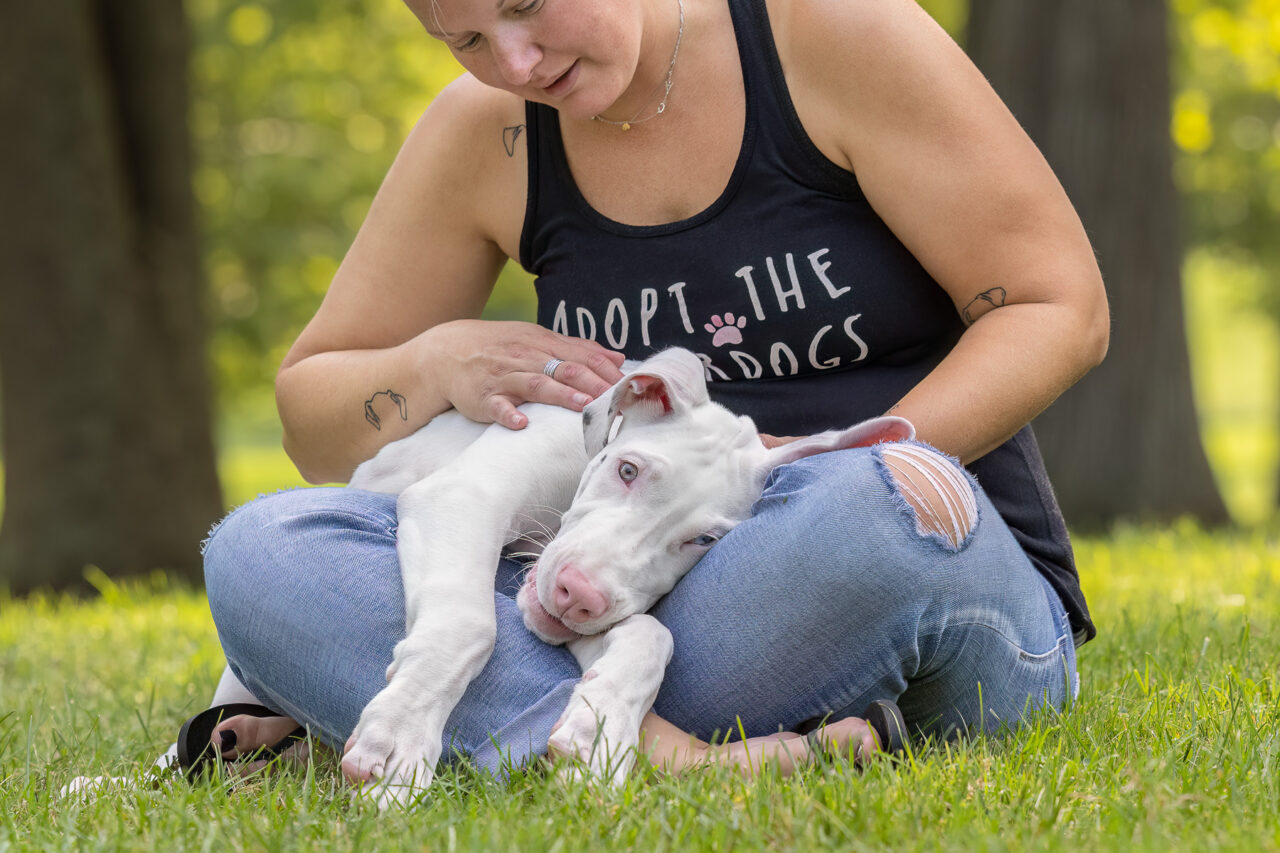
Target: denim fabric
{"points": [[826, 599]]}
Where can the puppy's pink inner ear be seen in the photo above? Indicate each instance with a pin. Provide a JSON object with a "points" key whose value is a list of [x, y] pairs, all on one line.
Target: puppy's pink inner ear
{"points": [[651, 389]]}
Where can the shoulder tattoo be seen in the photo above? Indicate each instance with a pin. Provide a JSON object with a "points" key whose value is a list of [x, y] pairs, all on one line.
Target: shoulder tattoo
{"points": [[509, 137], [994, 297], [371, 414]]}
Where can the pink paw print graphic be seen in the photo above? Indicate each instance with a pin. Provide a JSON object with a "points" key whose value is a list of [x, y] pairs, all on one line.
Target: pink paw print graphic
{"points": [[725, 330]]}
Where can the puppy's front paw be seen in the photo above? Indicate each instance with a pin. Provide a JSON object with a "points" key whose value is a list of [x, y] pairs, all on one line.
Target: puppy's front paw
{"points": [[392, 754], [597, 732]]}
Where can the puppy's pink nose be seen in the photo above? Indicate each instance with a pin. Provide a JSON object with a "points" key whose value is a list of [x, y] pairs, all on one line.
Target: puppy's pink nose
{"points": [[576, 599]]}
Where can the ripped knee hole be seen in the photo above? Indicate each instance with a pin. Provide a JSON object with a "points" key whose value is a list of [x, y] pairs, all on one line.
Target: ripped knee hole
{"points": [[936, 489]]}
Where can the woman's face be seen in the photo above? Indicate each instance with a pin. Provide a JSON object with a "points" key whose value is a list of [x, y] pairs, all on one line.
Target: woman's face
{"points": [[578, 56]]}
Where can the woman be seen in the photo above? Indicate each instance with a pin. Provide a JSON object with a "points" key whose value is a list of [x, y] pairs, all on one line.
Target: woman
{"points": [[826, 201]]}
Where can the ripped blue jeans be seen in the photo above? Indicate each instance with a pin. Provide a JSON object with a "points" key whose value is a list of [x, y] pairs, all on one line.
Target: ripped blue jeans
{"points": [[830, 596]]}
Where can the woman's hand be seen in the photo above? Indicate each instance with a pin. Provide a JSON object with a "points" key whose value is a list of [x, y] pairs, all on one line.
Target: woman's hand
{"points": [[488, 368]]}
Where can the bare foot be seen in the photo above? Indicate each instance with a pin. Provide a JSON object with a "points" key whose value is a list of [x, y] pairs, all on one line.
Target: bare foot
{"points": [[243, 735], [675, 751], [849, 738]]}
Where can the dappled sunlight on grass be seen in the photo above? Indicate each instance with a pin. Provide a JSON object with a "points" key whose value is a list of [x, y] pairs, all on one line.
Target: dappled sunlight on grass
{"points": [[1149, 569], [119, 669]]}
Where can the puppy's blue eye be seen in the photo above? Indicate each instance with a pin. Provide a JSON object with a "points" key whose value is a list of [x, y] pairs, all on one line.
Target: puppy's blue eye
{"points": [[627, 471], [706, 540]]}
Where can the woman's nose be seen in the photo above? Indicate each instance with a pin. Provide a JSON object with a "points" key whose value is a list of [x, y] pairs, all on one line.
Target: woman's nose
{"points": [[516, 57]]}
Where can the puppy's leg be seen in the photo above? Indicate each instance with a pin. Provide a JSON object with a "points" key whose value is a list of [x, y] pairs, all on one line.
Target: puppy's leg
{"points": [[452, 526], [622, 671]]}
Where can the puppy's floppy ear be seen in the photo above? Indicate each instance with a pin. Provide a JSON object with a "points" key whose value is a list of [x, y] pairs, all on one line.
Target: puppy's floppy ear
{"points": [[671, 382], [596, 424], [865, 434]]}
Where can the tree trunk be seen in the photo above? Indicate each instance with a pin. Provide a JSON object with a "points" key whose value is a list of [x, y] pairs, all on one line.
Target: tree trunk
{"points": [[1089, 80], [107, 438]]}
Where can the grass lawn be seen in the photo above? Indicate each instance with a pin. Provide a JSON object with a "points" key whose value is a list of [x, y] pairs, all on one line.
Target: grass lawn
{"points": [[1174, 744]]}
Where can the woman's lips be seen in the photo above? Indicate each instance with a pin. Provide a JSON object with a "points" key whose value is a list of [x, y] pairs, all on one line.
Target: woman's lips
{"points": [[562, 84]]}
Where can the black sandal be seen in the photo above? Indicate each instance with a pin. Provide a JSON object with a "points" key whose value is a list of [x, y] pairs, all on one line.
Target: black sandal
{"points": [[886, 722], [196, 752]]}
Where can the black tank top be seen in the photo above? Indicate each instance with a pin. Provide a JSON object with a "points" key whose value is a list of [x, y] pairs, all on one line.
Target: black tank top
{"points": [[807, 311]]}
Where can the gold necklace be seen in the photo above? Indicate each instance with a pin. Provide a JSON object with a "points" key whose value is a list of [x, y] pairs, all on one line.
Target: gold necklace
{"points": [[666, 93]]}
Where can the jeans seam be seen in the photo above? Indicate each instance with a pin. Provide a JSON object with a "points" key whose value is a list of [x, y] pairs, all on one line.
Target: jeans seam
{"points": [[381, 519], [1023, 654]]}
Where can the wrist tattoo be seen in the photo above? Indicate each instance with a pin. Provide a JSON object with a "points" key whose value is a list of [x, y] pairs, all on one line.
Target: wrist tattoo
{"points": [[509, 137], [371, 415], [994, 297]]}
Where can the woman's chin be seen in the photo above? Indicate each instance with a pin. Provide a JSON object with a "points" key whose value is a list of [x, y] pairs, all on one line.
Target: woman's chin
{"points": [[573, 109], [585, 102]]}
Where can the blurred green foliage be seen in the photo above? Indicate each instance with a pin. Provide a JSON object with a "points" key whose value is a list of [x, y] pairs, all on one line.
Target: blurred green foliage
{"points": [[300, 106], [1226, 132], [1226, 127]]}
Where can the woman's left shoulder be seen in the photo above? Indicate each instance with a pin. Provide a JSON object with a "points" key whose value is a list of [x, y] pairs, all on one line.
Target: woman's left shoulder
{"points": [[882, 90], [856, 64], [871, 30]]}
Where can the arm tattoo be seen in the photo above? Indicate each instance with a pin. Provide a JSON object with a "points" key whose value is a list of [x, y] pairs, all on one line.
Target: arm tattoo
{"points": [[509, 137], [372, 417], [994, 297]]}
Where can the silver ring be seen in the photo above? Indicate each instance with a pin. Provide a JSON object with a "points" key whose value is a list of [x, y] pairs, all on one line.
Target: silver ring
{"points": [[550, 368]]}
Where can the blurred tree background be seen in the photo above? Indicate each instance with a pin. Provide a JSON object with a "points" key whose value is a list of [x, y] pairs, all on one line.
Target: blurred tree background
{"points": [[298, 107]]}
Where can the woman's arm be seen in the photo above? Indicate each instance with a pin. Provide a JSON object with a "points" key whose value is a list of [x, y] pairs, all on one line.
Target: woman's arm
{"points": [[395, 341], [884, 92]]}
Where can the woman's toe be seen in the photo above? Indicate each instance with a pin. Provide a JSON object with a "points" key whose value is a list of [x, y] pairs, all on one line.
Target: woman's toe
{"points": [[848, 738]]}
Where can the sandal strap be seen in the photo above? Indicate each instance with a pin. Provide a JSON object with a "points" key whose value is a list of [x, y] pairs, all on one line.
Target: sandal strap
{"points": [[885, 719], [886, 722]]}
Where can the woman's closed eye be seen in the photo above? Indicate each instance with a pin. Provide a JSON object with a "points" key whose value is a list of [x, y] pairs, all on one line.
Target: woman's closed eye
{"points": [[472, 41]]}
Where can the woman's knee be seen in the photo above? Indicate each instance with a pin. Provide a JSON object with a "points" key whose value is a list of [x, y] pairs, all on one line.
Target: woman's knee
{"points": [[939, 495], [258, 542], [300, 512], [886, 538], [854, 520]]}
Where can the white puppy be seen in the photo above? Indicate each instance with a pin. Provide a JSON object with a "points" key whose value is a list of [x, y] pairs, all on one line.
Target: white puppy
{"points": [[647, 479], [660, 474]]}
